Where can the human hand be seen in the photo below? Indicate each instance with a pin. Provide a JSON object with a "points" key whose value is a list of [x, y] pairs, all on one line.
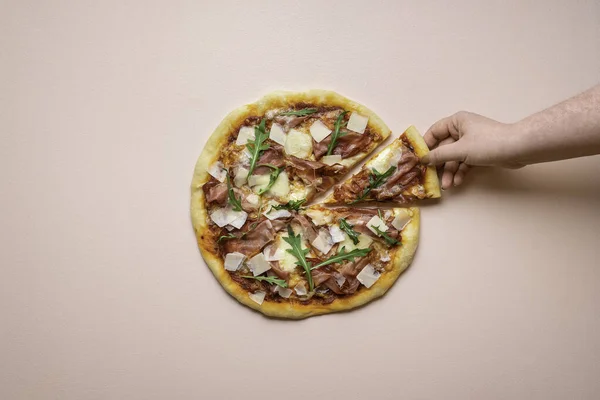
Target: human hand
{"points": [[466, 139]]}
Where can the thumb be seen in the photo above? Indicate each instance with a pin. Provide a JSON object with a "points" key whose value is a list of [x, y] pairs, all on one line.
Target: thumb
{"points": [[449, 152]]}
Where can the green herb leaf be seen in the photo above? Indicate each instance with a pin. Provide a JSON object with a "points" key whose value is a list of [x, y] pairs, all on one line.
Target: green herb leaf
{"points": [[335, 135], [290, 205], [258, 145], [236, 204], [388, 239], [379, 214], [376, 179], [343, 256], [300, 113], [297, 251], [269, 279], [272, 178], [346, 227], [226, 237]]}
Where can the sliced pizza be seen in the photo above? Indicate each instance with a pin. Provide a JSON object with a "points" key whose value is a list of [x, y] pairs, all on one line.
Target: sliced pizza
{"points": [[393, 175], [299, 262]]}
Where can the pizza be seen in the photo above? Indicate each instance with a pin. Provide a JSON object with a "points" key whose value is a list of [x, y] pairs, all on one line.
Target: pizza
{"points": [[256, 228], [394, 174]]}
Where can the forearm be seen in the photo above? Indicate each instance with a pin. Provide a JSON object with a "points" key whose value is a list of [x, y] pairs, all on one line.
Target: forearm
{"points": [[567, 130]]}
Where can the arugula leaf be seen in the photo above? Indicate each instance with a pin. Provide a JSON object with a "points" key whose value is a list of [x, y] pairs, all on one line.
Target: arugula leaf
{"points": [[343, 256], [379, 214], [388, 239], [226, 237], [272, 178], [269, 279], [336, 133], [236, 204], [346, 227], [376, 179], [300, 113], [258, 145], [297, 251], [290, 205]]}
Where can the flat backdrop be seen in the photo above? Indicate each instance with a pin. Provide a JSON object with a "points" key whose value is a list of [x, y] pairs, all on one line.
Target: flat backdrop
{"points": [[104, 108]]}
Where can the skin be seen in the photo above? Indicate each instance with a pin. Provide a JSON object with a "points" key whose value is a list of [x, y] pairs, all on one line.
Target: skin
{"points": [[567, 130]]}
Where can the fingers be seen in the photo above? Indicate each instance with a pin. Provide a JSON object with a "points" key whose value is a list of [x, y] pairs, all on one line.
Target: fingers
{"points": [[459, 176], [448, 175], [442, 154], [444, 128]]}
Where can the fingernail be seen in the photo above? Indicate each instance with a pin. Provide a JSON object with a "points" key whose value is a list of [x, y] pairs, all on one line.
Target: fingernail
{"points": [[425, 160]]}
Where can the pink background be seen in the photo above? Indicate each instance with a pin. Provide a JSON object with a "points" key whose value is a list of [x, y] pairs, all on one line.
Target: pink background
{"points": [[104, 108]]}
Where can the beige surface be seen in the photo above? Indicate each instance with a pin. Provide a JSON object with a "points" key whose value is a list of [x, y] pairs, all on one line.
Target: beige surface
{"points": [[104, 107]]}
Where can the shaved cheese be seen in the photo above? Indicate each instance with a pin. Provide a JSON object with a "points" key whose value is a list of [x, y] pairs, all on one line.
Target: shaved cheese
{"points": [[257, 297], [241, 176], [258, 264], [277, 255], [225, 216], [387, 214], [340, 280], [300, 289], [281, 187], [239, 221], [388, 157], [274, 214], [218, 171], [258, 182], [253, 199], [319, 217], [233, 261], [368, 276], [333, 159], [401, 220], [377, 222], [323, 241], [319, 131], [246, 134], [357, 123], [283, 292], [288, 261], [364, 242], [337, 235], [298, 144], [277, 134]]}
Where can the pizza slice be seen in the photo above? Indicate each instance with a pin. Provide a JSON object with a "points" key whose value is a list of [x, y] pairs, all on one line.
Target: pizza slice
{"points": [[394, 174], [315, 260]]}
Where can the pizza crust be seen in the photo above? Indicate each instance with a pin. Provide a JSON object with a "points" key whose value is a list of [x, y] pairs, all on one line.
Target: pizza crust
{"points": [[431, 182], [199, 215]]}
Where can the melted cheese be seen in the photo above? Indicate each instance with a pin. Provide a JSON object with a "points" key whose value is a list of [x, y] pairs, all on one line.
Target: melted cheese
{"points": [[319, 217], [281, 187], [331, 160], [241, 176], [364, 242], [388, 157], [298, 144]]}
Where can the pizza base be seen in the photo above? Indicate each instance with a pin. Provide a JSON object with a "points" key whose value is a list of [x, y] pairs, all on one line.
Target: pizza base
{"points": [[431, 182]]}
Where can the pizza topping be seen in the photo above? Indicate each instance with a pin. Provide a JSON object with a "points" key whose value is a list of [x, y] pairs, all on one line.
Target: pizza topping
{"points": [[340, 279], [218, 171], [225, 216], [281, 186], [389, 157], [217, 193], [343, 256], [257, 145], [376, 179], [376, 222], [319, 130], [233, 261], [273, 253], [319, 217], [364, 242], [254, 239], [347, 145], [300, 289], [284, 292], [258, 264], [323, 242], [290, 205], [241, 176], [272, 178], [357, 122], [309, 231], [234, 202], [385, 257], [336, 234], [253, 199], [401, 220], [245, 135], [269, 279], [257, 297], [274, 213], [346, 227], [297, 250], [336, 133], [258, 182], [298, 144], [239, 221], [300, 113], [388, 239], [368, 276], [331, 160], [277, 134]]}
